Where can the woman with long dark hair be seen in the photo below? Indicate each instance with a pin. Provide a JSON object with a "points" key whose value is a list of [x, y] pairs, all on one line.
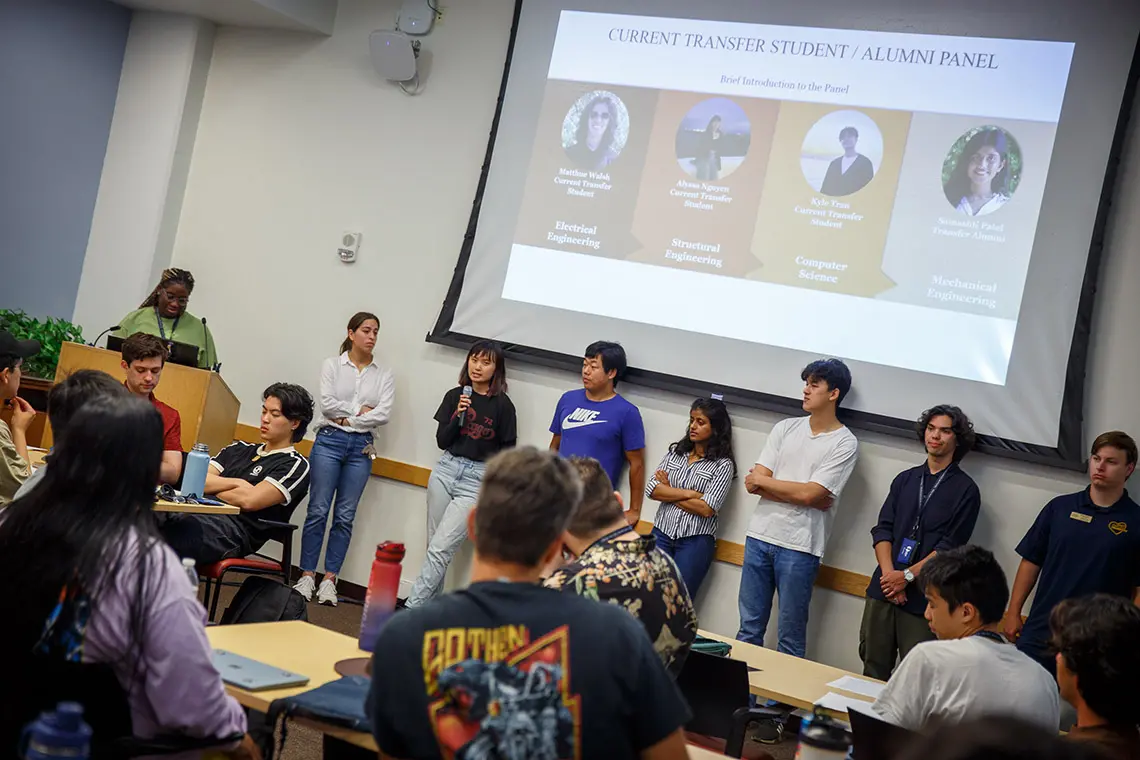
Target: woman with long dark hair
{"points": [[98, 585], [593, 146], [981, 183], [356, 398], [164, 314], [692, 483], [475, 421], [708, 154]]}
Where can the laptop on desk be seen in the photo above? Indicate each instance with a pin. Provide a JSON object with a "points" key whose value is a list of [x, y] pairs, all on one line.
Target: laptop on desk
{"points": [[180, 353]]}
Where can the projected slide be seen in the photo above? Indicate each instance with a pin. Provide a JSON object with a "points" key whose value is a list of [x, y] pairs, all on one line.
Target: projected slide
{"points": [[890, 183]]}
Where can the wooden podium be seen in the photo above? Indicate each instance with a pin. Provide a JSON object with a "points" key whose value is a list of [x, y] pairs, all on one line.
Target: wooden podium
{"points": [[209, 409]]}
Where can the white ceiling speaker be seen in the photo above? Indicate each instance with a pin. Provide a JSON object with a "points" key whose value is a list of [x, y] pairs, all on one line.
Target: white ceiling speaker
{"points": [[393, 55]]}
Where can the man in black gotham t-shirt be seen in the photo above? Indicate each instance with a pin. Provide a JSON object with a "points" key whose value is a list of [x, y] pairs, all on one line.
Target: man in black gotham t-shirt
{"points": [[509, 669]]}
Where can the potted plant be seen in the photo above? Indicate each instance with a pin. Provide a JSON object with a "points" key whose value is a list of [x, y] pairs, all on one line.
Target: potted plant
{"points": [[52, 333]]}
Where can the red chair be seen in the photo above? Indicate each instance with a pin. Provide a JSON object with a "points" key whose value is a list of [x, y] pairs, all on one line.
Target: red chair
{"points": [[256, 564]]}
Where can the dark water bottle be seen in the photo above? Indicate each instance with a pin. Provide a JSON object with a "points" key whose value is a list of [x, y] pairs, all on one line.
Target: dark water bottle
{"points": [[823, 738], [60, 733]]}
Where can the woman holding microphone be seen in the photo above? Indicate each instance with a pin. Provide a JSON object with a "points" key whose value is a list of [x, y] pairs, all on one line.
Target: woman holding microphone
{"points": [[476, 420], [356, 398], [692, 483]]}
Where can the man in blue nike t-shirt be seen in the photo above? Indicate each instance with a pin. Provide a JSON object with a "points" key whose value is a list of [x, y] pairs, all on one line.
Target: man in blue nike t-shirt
{"points": [[596, 422]]}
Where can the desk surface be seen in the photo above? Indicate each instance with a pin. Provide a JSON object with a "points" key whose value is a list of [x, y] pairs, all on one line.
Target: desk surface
{"points": [[297, 646], [784, 678], [37, 456], [196, 509]]}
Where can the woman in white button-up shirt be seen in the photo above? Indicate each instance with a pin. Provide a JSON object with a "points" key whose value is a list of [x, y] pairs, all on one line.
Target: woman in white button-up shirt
{"points": [[356, 398]]}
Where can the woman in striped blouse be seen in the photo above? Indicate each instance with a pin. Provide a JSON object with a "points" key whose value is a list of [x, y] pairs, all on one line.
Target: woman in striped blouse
{"points": [[692, 483]]}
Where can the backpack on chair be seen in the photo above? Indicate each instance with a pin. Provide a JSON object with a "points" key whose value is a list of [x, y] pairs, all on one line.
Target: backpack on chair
{"points": [[265, 600]]}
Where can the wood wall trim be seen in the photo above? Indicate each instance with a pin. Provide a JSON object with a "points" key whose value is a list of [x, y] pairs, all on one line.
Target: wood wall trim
{"points": [[834, 578]]}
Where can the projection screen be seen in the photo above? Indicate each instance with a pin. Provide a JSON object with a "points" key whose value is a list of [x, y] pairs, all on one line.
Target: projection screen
{"points": [[731, 192]]}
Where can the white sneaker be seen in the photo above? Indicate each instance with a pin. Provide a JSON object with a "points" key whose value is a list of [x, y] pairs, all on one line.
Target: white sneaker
{"points": [[305, 587], [326, 594]]}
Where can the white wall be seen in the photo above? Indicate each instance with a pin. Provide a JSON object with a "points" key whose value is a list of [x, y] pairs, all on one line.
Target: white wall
{"points": [[299, 140], [147, 162]]}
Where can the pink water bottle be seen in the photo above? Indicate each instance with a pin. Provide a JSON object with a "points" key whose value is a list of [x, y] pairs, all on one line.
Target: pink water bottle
{"points": [[380, 601]]}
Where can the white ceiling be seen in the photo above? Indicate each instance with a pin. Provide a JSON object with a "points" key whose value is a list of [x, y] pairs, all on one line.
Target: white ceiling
{"points": [[296, 15]]}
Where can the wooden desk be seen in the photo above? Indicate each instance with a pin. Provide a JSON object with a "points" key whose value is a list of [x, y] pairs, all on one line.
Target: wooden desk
{"points": [[37, 456], [196, 509], [297, 646], [784, 678]]}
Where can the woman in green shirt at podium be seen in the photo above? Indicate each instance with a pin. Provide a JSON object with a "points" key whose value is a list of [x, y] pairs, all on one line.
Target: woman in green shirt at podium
{"points": [[164, 314]]}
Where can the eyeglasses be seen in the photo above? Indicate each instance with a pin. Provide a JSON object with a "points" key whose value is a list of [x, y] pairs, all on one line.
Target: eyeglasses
{"points": [[603, 115], [181, 301]]}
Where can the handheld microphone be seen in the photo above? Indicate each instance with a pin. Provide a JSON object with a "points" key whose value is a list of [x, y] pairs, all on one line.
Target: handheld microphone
{"points": [[467, 391], [209, 349], [100, 335]]}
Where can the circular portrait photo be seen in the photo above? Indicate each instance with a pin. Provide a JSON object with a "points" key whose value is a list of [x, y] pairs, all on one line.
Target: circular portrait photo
{"points": [[713, 139], [595, 130], [981, 171], [841, 153]]}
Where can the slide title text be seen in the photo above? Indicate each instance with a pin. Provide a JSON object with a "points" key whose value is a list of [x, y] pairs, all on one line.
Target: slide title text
{"points": [[807, 49]]}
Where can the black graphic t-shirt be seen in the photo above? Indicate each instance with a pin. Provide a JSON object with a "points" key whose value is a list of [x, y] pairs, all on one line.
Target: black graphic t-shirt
{"points": [[488, 427], [286, 469], [516, 671]]}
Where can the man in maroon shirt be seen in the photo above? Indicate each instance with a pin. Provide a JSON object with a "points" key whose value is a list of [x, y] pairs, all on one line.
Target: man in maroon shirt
{"points": [[144, 357]]}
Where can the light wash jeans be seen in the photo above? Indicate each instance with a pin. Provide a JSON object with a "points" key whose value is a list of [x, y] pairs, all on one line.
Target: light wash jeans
{"points": [[451, 493], [337, 463], [770, 569]]}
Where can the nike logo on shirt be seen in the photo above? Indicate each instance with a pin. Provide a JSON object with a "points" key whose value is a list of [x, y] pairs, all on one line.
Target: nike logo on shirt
{"points": [[580, 418]]}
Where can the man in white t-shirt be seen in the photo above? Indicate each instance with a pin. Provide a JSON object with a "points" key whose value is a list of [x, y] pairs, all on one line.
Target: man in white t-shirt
{"points": [[799, 476], [971, 671]]}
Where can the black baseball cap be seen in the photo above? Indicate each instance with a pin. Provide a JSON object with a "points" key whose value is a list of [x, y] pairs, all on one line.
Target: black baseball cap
{"points": [[25, 349]]}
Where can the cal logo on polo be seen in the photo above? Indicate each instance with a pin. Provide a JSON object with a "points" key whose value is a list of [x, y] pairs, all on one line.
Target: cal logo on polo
{"points": [[1118, 527]]}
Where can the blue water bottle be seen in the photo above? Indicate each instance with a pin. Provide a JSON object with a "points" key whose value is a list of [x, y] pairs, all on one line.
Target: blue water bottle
{"points": [[197, 463], [57, 734]]}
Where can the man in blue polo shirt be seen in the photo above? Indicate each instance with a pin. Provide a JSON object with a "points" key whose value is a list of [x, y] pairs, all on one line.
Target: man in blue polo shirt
{"points": [[1082, 543], [929, 509], [596, 423]]}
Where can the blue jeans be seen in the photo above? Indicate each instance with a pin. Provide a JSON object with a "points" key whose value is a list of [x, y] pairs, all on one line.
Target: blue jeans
{"points": [[693, 555], [337, 463], [770, 569], [451, 493]]}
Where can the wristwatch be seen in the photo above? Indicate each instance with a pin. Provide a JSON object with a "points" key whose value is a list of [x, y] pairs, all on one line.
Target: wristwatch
{"points": [[908, 575]]}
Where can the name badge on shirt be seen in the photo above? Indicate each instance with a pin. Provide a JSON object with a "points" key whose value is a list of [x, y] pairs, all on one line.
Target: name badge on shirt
{"points": [[1080, 516], [906, 551]]}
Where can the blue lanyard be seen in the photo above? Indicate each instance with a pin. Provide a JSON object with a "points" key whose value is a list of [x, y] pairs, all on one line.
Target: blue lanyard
{"points": [[161, 329], [990, 635]]}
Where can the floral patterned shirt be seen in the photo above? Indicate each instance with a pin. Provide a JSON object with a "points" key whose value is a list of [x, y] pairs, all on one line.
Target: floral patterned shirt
{"points": [[645, 581]]}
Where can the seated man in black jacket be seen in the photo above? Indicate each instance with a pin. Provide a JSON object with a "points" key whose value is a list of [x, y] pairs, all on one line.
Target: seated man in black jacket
{"points": [[266, 481]]}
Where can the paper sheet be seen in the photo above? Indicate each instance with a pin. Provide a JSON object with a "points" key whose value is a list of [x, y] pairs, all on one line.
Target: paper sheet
{"points": [[840, 703], [862, 686]]}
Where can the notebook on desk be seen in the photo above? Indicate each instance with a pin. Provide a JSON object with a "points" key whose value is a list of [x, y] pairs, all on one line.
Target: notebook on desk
{"points": [[252, 675], [180, 353]]}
